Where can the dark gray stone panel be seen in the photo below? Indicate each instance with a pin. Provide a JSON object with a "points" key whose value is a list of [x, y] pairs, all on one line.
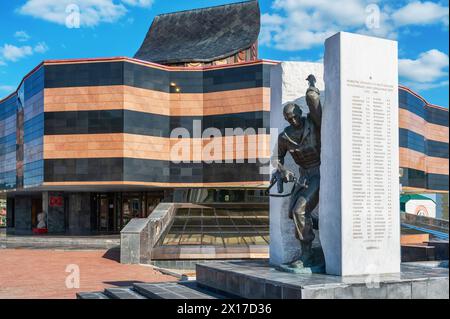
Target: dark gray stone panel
{"points": [[122, 293], [10, 212], [79, 213], [22, 220], [253, 289], [273, 291], [233, 284], [91, 295], [56, 219], [291, 293]]}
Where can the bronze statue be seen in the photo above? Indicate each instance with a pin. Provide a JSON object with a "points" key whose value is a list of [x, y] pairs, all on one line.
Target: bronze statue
{"points": [[302, 140]]}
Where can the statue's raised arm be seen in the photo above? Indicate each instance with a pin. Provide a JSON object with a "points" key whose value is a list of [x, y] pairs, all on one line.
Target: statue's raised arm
{"points": [[313, 101]]}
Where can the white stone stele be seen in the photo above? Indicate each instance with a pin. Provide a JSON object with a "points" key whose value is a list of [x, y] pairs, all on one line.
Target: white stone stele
{"points": [[288, 84], [359, 189]]}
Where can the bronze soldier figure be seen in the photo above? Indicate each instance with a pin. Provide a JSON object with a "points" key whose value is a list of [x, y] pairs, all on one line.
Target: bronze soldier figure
{"points": [[302, 140]]}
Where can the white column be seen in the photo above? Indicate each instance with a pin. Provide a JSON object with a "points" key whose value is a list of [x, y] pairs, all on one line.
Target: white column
{"points": [[359, 190]]}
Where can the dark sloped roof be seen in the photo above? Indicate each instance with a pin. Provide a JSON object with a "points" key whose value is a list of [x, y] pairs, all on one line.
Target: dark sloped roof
{"points": [[201, 35], [408, 197]]}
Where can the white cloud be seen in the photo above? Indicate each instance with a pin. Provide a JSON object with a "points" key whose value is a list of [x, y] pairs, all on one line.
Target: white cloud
{"points": [[428, 67], [91, 12], [12, 53], [304, 24], [341, 12], [139, 3], [41, 47], [428, 71], [421, 13], [271, 23], [22, 36]]}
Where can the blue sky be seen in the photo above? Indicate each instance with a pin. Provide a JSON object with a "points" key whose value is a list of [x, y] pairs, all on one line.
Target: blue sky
{"points": [[36, 30]]}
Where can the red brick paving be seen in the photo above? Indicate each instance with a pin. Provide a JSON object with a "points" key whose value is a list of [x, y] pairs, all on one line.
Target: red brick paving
{"points": [[26, 273]]}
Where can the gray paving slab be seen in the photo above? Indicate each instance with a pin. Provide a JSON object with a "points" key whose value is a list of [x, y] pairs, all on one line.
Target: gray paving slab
{"points": [[92, 295], [122, 293], [169, 291]]}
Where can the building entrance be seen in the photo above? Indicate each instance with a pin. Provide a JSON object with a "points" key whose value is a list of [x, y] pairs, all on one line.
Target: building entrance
{"points": [[112, 211], [105, 213], [36, 209]]}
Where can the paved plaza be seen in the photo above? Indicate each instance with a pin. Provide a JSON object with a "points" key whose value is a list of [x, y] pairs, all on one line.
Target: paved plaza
{"points": [[42, 273]]}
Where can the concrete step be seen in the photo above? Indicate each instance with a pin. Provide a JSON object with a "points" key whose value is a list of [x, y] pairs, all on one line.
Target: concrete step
{"points": [[123, 293], [171, 290], [182, 290], [59, 242], [92, 295]]}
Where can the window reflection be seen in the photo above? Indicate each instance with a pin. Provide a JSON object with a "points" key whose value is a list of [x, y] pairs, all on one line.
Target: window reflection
{"points": [[218, 227]]}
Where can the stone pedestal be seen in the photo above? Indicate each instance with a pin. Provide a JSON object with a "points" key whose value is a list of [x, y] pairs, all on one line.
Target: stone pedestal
{"points": [[288, 84], [258, 280], [359, 190]]}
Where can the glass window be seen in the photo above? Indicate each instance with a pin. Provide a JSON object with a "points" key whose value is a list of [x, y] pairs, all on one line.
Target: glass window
{"points": [[218, 226]]}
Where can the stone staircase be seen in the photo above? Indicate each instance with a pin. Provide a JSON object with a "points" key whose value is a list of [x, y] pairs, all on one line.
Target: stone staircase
{"points": [[167, 290], [259, 280]]}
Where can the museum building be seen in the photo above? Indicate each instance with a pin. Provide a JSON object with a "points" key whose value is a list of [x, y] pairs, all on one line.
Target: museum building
{"points": [[90, 141]]}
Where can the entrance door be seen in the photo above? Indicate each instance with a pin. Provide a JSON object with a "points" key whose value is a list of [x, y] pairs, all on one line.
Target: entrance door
{"points": [[131, 207], [105, 213], [114, 210], [152, 200], [36, 209]]}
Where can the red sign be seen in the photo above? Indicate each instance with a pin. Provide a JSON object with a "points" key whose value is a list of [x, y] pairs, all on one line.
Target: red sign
{"points": [[55, 201]]}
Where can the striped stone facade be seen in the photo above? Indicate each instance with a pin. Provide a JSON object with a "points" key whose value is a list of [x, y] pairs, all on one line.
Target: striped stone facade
{"points": [[423, 141], [112, 121], [110, 138], [106, 121]]}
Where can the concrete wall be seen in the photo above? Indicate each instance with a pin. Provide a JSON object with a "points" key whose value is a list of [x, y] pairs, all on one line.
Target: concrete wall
{"points": [[140, 235]]}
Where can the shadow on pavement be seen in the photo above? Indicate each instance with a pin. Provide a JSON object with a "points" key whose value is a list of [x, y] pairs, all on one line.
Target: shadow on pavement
{"points": [[112, 254]]}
